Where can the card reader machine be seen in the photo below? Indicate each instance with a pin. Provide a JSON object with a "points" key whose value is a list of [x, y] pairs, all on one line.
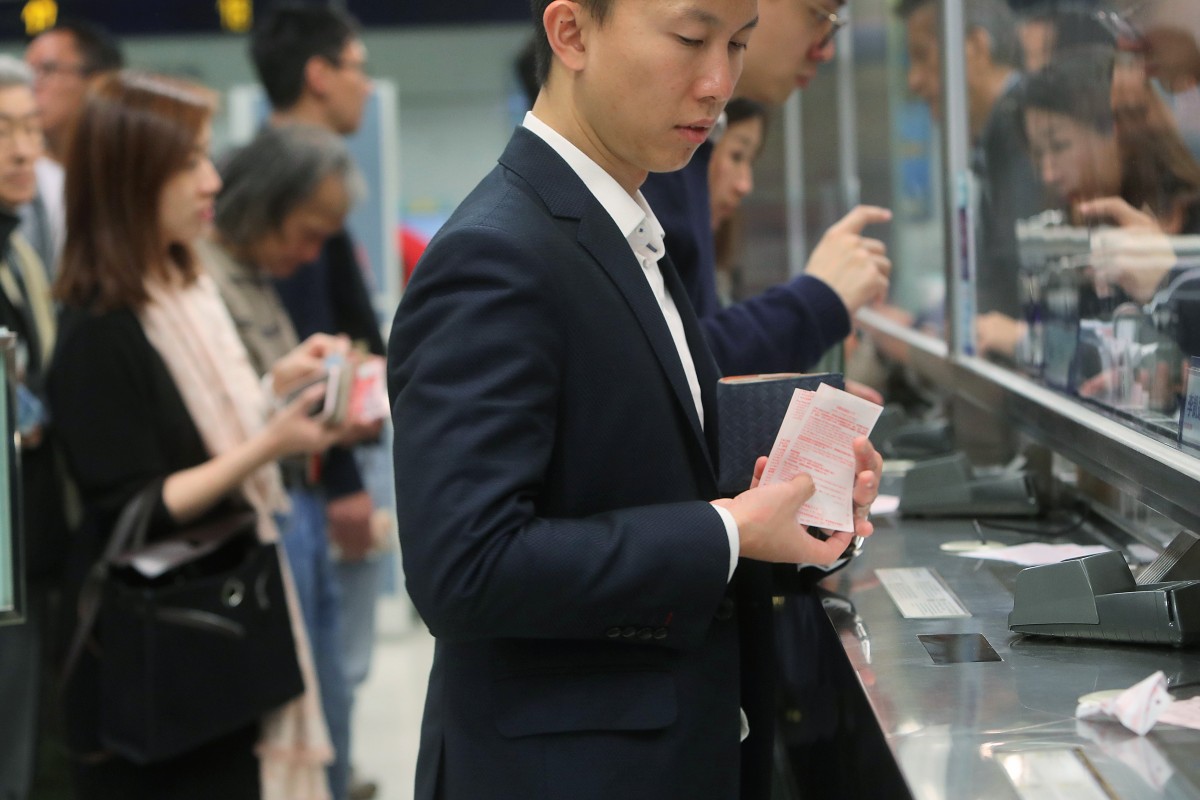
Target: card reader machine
{"points": [[1096, 597]]}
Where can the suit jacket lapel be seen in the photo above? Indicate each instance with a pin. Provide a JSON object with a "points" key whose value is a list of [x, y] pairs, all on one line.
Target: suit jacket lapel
{"points": [[567, 197], [707, 372], [600, 237]]}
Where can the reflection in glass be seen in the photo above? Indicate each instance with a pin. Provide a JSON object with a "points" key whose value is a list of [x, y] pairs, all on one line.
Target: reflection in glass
{"points": [[1097, 295], [899, 154]]}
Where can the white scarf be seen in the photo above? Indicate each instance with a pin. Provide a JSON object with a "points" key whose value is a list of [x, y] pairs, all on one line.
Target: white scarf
{"points": [[192, 331]]}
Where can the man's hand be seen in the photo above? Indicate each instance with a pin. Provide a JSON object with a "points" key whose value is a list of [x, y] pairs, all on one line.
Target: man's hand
{"points": [[1136, 255], [1120, 212], [354, 432], [868, 472], [349, 519], [305, 363], [998, 334], [766, 515], [854, 266]]}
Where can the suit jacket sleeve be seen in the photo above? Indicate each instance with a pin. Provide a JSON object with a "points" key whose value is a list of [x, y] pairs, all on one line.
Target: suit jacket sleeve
{"points": [[785, 329], [475, 375]]}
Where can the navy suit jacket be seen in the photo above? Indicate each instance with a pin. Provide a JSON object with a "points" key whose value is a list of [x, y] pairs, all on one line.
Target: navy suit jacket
{"points": [[552, 484], [787, 328]]}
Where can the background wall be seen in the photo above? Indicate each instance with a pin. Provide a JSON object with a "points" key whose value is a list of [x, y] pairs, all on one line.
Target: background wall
{"points": [[456, 104]]}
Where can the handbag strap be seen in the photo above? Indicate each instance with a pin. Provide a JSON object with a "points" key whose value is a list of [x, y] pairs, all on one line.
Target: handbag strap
{"points": [[129, 530]]}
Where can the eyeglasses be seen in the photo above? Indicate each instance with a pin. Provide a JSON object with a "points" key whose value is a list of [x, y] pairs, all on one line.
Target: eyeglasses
{"points": [[826, 17]]}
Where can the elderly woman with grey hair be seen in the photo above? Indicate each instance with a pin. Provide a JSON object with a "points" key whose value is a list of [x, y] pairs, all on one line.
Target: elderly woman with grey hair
{"points": [[284, 194]]}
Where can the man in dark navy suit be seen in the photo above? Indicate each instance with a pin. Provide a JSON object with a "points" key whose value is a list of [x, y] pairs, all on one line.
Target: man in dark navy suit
{"points": [[553, 400]]}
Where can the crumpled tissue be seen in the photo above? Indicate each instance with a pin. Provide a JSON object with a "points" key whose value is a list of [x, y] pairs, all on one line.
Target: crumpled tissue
{"points": [[1137, 708]]}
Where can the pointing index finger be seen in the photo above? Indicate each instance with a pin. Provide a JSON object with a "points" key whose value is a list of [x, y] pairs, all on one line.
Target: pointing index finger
{"points": [[859, 218]]}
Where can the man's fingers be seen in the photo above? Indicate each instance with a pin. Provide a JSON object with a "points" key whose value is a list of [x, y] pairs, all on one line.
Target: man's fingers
{"points": [[873, 246], [1120, 211], [760, 466], [832, 548], [804, 484], [865, 392], [859, 218], [864, 489]]}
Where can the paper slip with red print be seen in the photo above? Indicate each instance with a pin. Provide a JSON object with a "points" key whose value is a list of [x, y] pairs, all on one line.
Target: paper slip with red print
{"points": [[817, 437]]}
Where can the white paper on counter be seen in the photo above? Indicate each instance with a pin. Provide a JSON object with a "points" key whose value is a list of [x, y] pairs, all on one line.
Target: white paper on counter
{"points": [[1137, 708], [817, 437], [1035, 553], [919, 593]]}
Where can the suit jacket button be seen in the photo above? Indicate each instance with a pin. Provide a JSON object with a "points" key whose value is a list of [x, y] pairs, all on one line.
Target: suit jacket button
{"points": [[660, 633], [629, 632], [613, 632], [725, 609], [645, 633]]}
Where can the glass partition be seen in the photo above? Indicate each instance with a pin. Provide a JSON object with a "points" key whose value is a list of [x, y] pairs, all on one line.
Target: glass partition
{"points": [[892, 142], [12, 595], [1084, 126]]}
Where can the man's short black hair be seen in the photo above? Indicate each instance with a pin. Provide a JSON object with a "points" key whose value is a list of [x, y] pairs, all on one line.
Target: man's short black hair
{"points": [[542, 53], [287, 37], [97, 47]]}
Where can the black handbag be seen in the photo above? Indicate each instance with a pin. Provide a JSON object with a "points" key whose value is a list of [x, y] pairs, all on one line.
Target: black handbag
{"points": [[193, 633]]}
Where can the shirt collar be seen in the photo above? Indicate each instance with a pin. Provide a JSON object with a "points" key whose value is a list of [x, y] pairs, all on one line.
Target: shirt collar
{"points": [[628, 212]]}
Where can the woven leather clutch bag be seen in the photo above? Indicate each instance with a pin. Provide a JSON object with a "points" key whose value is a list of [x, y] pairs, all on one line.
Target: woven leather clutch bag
{"points": [[750, 410]]}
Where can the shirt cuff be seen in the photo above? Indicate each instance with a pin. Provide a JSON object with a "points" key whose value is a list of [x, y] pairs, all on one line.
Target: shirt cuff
{"points": [[735, 538]]}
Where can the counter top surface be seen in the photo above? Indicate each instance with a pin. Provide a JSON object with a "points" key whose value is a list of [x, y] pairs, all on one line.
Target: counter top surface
{"points": [[958, 730]]}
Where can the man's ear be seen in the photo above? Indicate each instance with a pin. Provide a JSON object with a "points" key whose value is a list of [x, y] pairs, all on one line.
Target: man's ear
{"points": [[567, 25], [317, 73]]}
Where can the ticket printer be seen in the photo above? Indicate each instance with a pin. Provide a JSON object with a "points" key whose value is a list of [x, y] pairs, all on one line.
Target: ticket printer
{"points": [[1096, 597]]}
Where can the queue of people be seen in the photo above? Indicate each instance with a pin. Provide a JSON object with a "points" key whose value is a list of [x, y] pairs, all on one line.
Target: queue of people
{"points": [[602, 614], [156, 351]]}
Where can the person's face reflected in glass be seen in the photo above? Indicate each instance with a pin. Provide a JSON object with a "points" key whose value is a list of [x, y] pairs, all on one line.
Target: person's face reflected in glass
{"points": [[731, 169], [924, 63], [1074, 161]]}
